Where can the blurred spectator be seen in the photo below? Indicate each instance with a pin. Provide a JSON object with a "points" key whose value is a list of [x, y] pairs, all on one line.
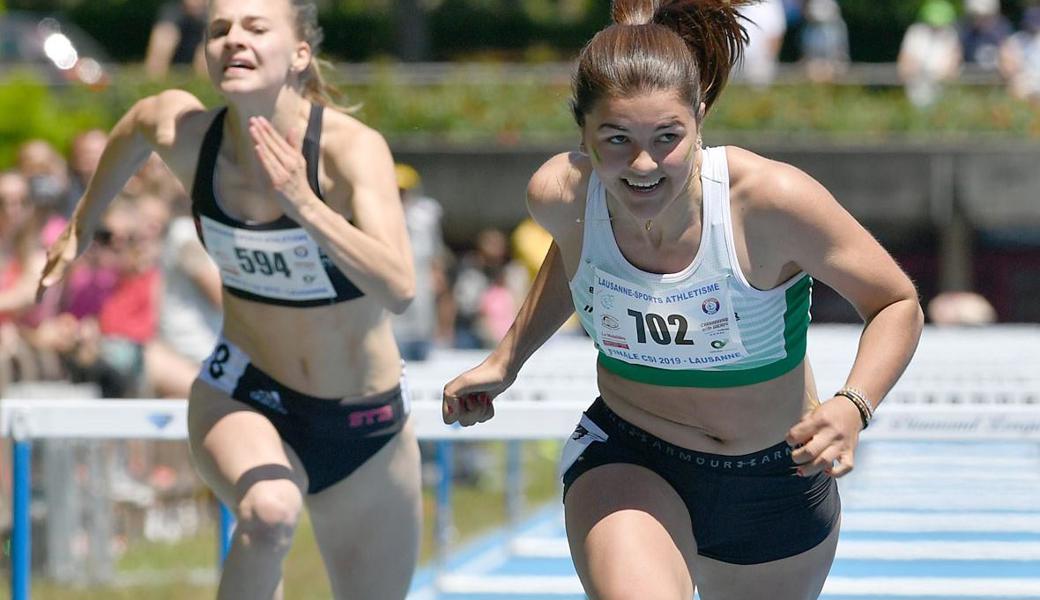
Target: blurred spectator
{"points": [[825, 41], [416, 328], [498, 307], [189, 311], [83, 161], [177, 38], [1020, 58], [48, 179], [983, 30], [45, 170], [766, 24], [961, 308], [21, 253], [488, 285], [930, 53], [127, 320], [21, 260]]}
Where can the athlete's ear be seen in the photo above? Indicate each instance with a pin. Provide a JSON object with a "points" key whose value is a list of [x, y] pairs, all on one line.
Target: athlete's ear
{"points": [[302, 57]]}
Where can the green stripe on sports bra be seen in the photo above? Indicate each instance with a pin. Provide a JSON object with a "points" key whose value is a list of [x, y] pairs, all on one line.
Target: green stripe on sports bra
{"points": [[796, 328]]}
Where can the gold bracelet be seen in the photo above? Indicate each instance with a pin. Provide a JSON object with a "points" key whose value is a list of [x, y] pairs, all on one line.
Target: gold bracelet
{"points": [[861, 405], [862, 397]]}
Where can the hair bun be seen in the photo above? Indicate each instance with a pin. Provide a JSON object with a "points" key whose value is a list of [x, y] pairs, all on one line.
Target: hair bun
{"points": [[634, 12]]}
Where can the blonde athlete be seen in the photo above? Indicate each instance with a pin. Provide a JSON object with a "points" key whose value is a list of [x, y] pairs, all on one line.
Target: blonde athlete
{"points": [[301, 401], [708, 460]]}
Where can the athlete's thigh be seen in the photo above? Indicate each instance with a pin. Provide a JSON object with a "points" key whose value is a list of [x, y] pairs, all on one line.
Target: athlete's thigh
{"points": [[630, 534], [799, 577], [233, 446], [368, 526]]}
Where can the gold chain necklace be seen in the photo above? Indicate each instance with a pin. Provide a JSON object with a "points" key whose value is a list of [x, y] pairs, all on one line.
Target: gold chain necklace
{"points": [[696, 174]]}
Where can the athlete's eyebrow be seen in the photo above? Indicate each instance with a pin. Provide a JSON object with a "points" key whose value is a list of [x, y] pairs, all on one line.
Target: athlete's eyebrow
{"points": [[672, 122], [248, 19]]}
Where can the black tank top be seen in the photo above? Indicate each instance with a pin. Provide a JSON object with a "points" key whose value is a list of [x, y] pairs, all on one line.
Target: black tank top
{"points": [[297, 276]]}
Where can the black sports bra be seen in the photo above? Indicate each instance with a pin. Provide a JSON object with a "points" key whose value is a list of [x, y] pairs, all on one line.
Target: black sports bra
{"points": [[276, 262]]}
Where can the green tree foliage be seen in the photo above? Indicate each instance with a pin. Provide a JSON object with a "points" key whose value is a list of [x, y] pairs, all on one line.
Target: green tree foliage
{"points": [[363, 30], [28, 109]]}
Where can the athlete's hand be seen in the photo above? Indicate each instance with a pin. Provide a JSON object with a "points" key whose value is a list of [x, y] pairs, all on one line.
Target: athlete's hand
{"points": [[825, 439], [282, 160], [468, 398], [60, 255]]}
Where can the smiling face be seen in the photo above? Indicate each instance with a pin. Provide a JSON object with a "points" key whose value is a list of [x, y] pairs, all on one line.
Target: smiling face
{"points": [[643, 148], [251, 45]]}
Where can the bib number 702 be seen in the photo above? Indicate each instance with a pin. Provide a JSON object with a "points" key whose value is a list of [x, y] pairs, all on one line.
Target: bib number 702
{"points": [[657, 325]]}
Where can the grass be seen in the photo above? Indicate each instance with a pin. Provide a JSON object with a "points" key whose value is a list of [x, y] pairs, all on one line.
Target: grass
{"points": [[184, 570]]}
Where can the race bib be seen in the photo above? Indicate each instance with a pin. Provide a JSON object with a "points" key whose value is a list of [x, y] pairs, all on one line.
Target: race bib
{"points": [[687, 327], [284, 264]]}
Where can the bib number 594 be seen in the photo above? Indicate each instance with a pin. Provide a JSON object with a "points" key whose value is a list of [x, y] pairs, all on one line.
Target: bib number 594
{"points": [[258, 260]]}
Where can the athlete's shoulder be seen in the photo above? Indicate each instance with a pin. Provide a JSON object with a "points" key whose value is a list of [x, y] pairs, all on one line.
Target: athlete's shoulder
{"points": [[761, 185], [561, 180], [556, 191], [171, 115], [349, 142], [341, 128]]}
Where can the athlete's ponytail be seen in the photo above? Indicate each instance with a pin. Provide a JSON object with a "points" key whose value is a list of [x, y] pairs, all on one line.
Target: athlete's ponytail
{"points": [[688, 46], [634, 12], [315, 88]]}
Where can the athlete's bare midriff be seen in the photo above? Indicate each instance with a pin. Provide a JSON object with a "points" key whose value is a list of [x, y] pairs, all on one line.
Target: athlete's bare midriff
{"points": [[345, 350], [730, 421]]}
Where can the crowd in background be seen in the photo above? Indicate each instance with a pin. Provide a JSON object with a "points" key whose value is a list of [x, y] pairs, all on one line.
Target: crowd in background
{"points": [[935, 49], [145, 294]]}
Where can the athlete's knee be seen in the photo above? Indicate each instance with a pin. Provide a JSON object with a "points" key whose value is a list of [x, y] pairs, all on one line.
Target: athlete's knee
{"points": [[268, 513]]}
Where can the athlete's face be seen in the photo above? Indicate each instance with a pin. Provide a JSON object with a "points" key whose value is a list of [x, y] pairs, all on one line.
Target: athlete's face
{"points": [[251, 45], [643, 148]]}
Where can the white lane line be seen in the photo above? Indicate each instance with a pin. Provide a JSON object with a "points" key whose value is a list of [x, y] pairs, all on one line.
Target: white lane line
{"points": [[894, 500], [988, 464], [942, 550], [853, 520], [948, 587], [516, 584], [848, 550]]}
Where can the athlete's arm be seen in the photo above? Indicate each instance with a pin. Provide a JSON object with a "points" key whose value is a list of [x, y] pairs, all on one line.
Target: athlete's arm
{"points": [[151, 124], [829, 244], [374, 253], [824, 240]]}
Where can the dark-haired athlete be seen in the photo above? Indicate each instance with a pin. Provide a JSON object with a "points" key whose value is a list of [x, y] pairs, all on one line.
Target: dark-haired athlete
{"points": [[708, 459], [301, 401]]}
